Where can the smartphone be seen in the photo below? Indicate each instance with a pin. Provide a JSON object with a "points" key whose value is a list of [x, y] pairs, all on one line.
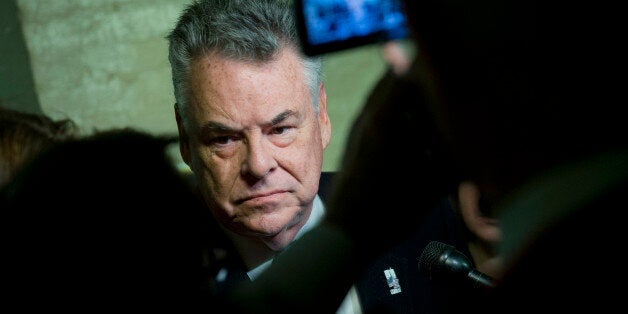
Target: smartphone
{"points": [[331, 25]]}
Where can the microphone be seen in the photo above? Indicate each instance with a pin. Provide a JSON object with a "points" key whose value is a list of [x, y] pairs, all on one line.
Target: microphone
{"points": [[441, 259]]}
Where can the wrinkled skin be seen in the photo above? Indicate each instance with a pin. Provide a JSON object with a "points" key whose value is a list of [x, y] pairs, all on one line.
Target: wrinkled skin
{"points": [[255, 143]]}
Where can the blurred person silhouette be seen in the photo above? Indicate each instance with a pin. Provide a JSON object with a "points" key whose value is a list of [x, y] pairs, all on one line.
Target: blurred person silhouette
{"points": [[25, 134], [553, 173], [461, 219], [103, 222], [479, 224]]}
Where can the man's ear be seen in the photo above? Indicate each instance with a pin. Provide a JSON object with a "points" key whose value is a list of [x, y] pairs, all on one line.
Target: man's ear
{"points": [[184, 142], [323, 117], [469, 199]]}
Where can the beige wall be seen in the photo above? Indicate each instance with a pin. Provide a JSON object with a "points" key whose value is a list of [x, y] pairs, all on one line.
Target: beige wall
{"points": [[104, 64]]}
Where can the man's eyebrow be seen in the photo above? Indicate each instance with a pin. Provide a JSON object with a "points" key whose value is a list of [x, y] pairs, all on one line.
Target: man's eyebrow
{"points": [[281, 117], [217, 127]]}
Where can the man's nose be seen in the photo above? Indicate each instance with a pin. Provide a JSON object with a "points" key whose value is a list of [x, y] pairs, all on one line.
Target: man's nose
{"points": [[260, 159]]}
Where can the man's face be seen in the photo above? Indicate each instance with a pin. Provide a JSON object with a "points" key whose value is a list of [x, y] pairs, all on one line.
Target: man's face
{"points": [[255, 143]]}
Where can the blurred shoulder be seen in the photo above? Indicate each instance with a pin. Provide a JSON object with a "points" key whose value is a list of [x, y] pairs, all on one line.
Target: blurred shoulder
{"points": [[325, 183]]}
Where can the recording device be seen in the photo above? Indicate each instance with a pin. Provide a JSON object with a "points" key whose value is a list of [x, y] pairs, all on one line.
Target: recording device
{"points": [[440, 259], [332, 25]]}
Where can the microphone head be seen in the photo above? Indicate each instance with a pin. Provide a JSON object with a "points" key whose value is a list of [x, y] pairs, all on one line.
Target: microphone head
{"points": [[441, 259]]}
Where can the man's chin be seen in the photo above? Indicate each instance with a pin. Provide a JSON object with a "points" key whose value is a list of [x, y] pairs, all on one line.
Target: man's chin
{"points": [[280, 240]]}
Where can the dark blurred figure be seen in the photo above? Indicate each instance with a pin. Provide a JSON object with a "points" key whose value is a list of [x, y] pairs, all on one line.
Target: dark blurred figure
{"points": [[23, 135], [462, 219], [554, 172], [102, 223]]}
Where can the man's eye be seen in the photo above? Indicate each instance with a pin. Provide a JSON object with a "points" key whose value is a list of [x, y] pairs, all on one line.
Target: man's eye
{"points": [[280, 130], [221, 140]]}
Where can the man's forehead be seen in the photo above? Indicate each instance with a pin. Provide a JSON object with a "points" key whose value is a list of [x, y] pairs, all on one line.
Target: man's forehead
{"points": [[241, 94]]}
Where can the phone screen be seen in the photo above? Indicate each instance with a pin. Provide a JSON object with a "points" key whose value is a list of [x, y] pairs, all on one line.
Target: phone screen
{"points": [[332, 25]]}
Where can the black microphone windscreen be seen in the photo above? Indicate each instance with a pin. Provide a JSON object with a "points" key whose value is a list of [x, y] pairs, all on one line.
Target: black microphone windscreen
{"points": [[433, 251], [440, 259]]}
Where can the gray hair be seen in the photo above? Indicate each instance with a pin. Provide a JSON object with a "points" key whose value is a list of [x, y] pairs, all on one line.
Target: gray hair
{"points": [[245, 30]]}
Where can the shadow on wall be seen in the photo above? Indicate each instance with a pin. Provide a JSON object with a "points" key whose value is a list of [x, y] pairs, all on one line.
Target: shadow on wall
{"points": [[17, 90]]}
